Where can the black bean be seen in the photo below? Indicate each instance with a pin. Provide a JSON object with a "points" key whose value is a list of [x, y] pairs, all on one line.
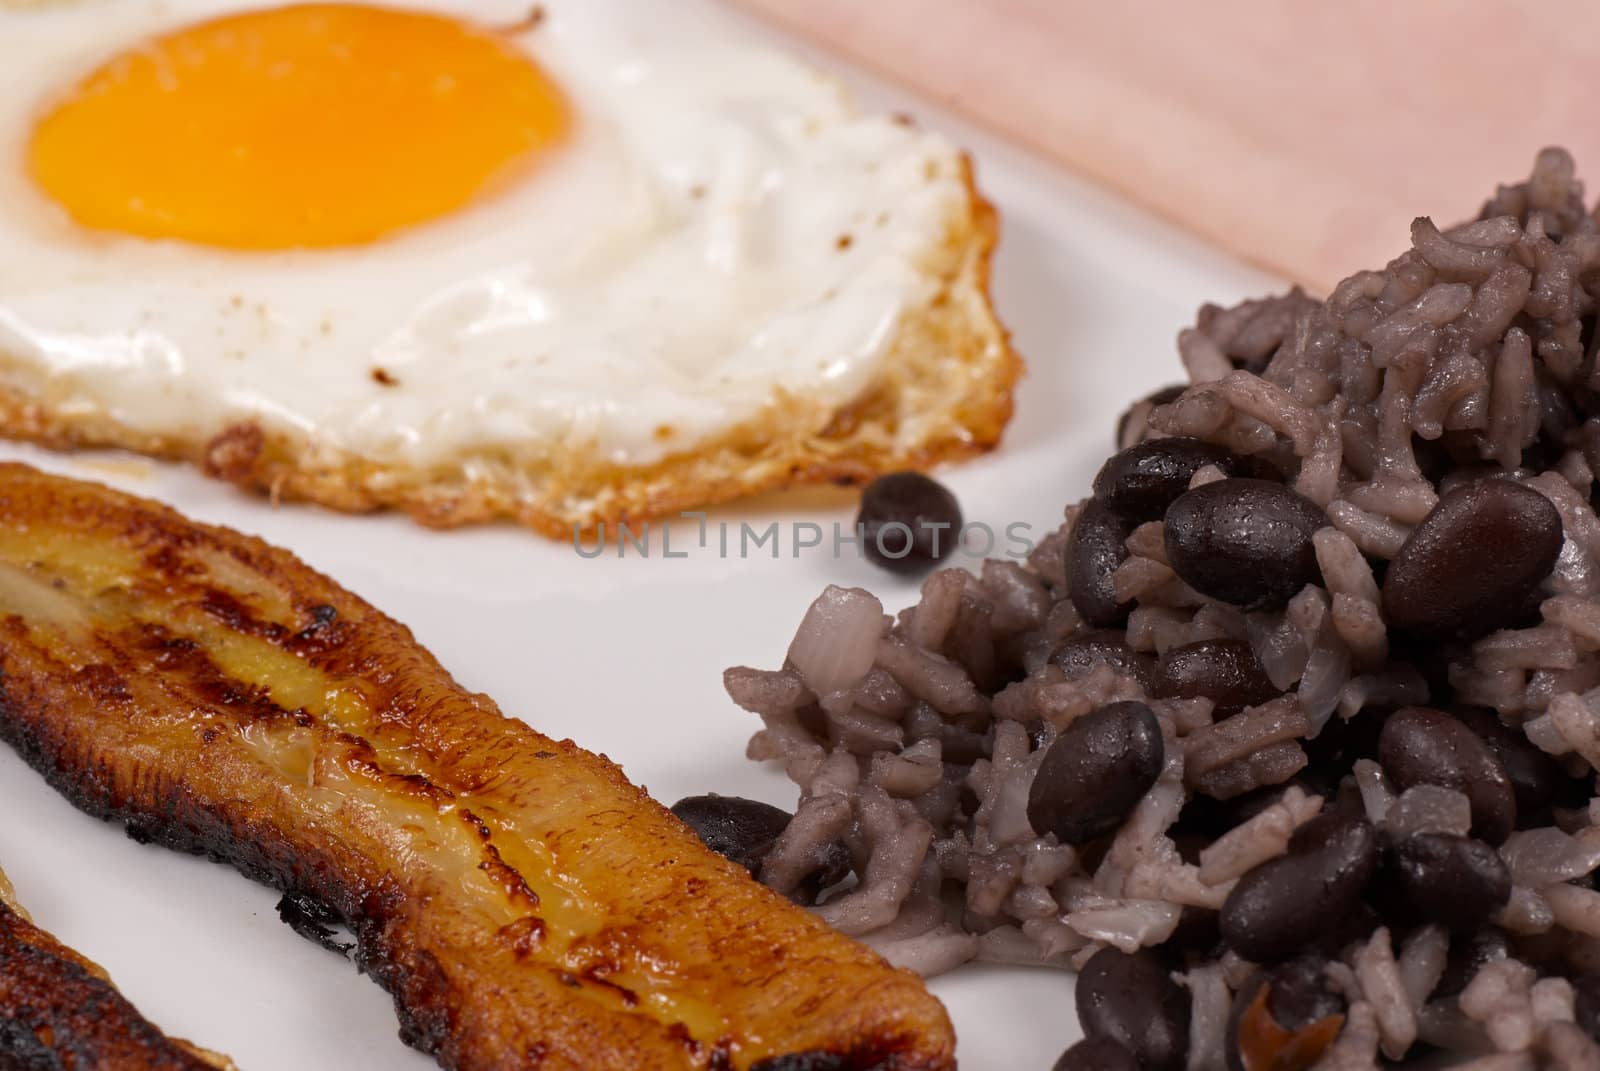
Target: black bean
{"points": [[1456, 881], [1423, 746], [1097, 1054], [1244, 541], [1537, 779], [1290, 1025], [1095, 548], [740, 829], [1342, 741], [1287, 903], [836, 865], [1081, 653], [1474, 562], [1133, 1000], [1095, 772], [1210, 818], [1142, 481], [745, 830], [908, 522], [1558, 419], [1586, 1003], [1470, 953], [1301, 993], [1226, 672], [1196, 935]]}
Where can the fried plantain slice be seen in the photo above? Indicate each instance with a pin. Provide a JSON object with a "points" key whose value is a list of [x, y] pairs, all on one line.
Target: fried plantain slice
{"points": [[59, 1010], [526, 906]]}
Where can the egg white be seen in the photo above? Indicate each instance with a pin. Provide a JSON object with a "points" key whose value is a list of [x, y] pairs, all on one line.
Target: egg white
{"points": [[660, 279]]}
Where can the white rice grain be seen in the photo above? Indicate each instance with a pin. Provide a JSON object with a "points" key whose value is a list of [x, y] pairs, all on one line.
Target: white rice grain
{"points": [[1376, 796], [1526, 912], [1209, 1004], [1497, 997], [1574, 908], [1127, 925], [1428, 809], [1578, 725], [1385, 989], [1423, 956], [1264, 837], [1345, 570]]}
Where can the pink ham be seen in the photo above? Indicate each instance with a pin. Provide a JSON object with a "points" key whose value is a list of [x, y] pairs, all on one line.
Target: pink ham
{"points": [[1302, 136]]}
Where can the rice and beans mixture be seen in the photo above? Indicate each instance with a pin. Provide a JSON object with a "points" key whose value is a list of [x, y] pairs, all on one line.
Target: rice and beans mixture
{"points": [[1286, 740]]}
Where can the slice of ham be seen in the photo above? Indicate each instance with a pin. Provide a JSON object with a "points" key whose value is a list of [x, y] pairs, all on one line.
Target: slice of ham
{"points": [[1302, 136]]}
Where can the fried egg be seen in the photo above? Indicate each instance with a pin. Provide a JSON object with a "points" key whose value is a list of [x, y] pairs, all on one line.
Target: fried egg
{"points": [[448, 238]]}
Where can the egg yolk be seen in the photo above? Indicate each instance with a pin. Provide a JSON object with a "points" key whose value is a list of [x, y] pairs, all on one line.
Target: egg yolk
{"points": [[307, 126]]}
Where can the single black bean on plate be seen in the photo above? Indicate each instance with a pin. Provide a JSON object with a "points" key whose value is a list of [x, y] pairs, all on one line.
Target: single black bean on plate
{"points": [[1286, 904], [1423, 746], [1097, 1054], [1132, 1000], [1475, 562], [1081, 653], [1095, 548], [1244, 541], [1142, 481], [1095, 772], [908, 522], [1452, 880], [1226, 672], [742, 830]]}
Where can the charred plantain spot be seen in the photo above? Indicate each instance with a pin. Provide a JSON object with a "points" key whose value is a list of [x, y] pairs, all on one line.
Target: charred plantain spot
{"points": [[169, 650], [325, 632], [207, 682], [423, 788], [314, 920], [478, 824], [524, 936], [103, 683], [510, 879], [681, 1034], [596, 976], [231, 612], [164, 560], [413, 785], [807, 1061]]}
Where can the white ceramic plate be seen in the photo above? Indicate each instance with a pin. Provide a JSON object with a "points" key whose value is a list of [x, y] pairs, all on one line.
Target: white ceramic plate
{"points": [[625, 656]]}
